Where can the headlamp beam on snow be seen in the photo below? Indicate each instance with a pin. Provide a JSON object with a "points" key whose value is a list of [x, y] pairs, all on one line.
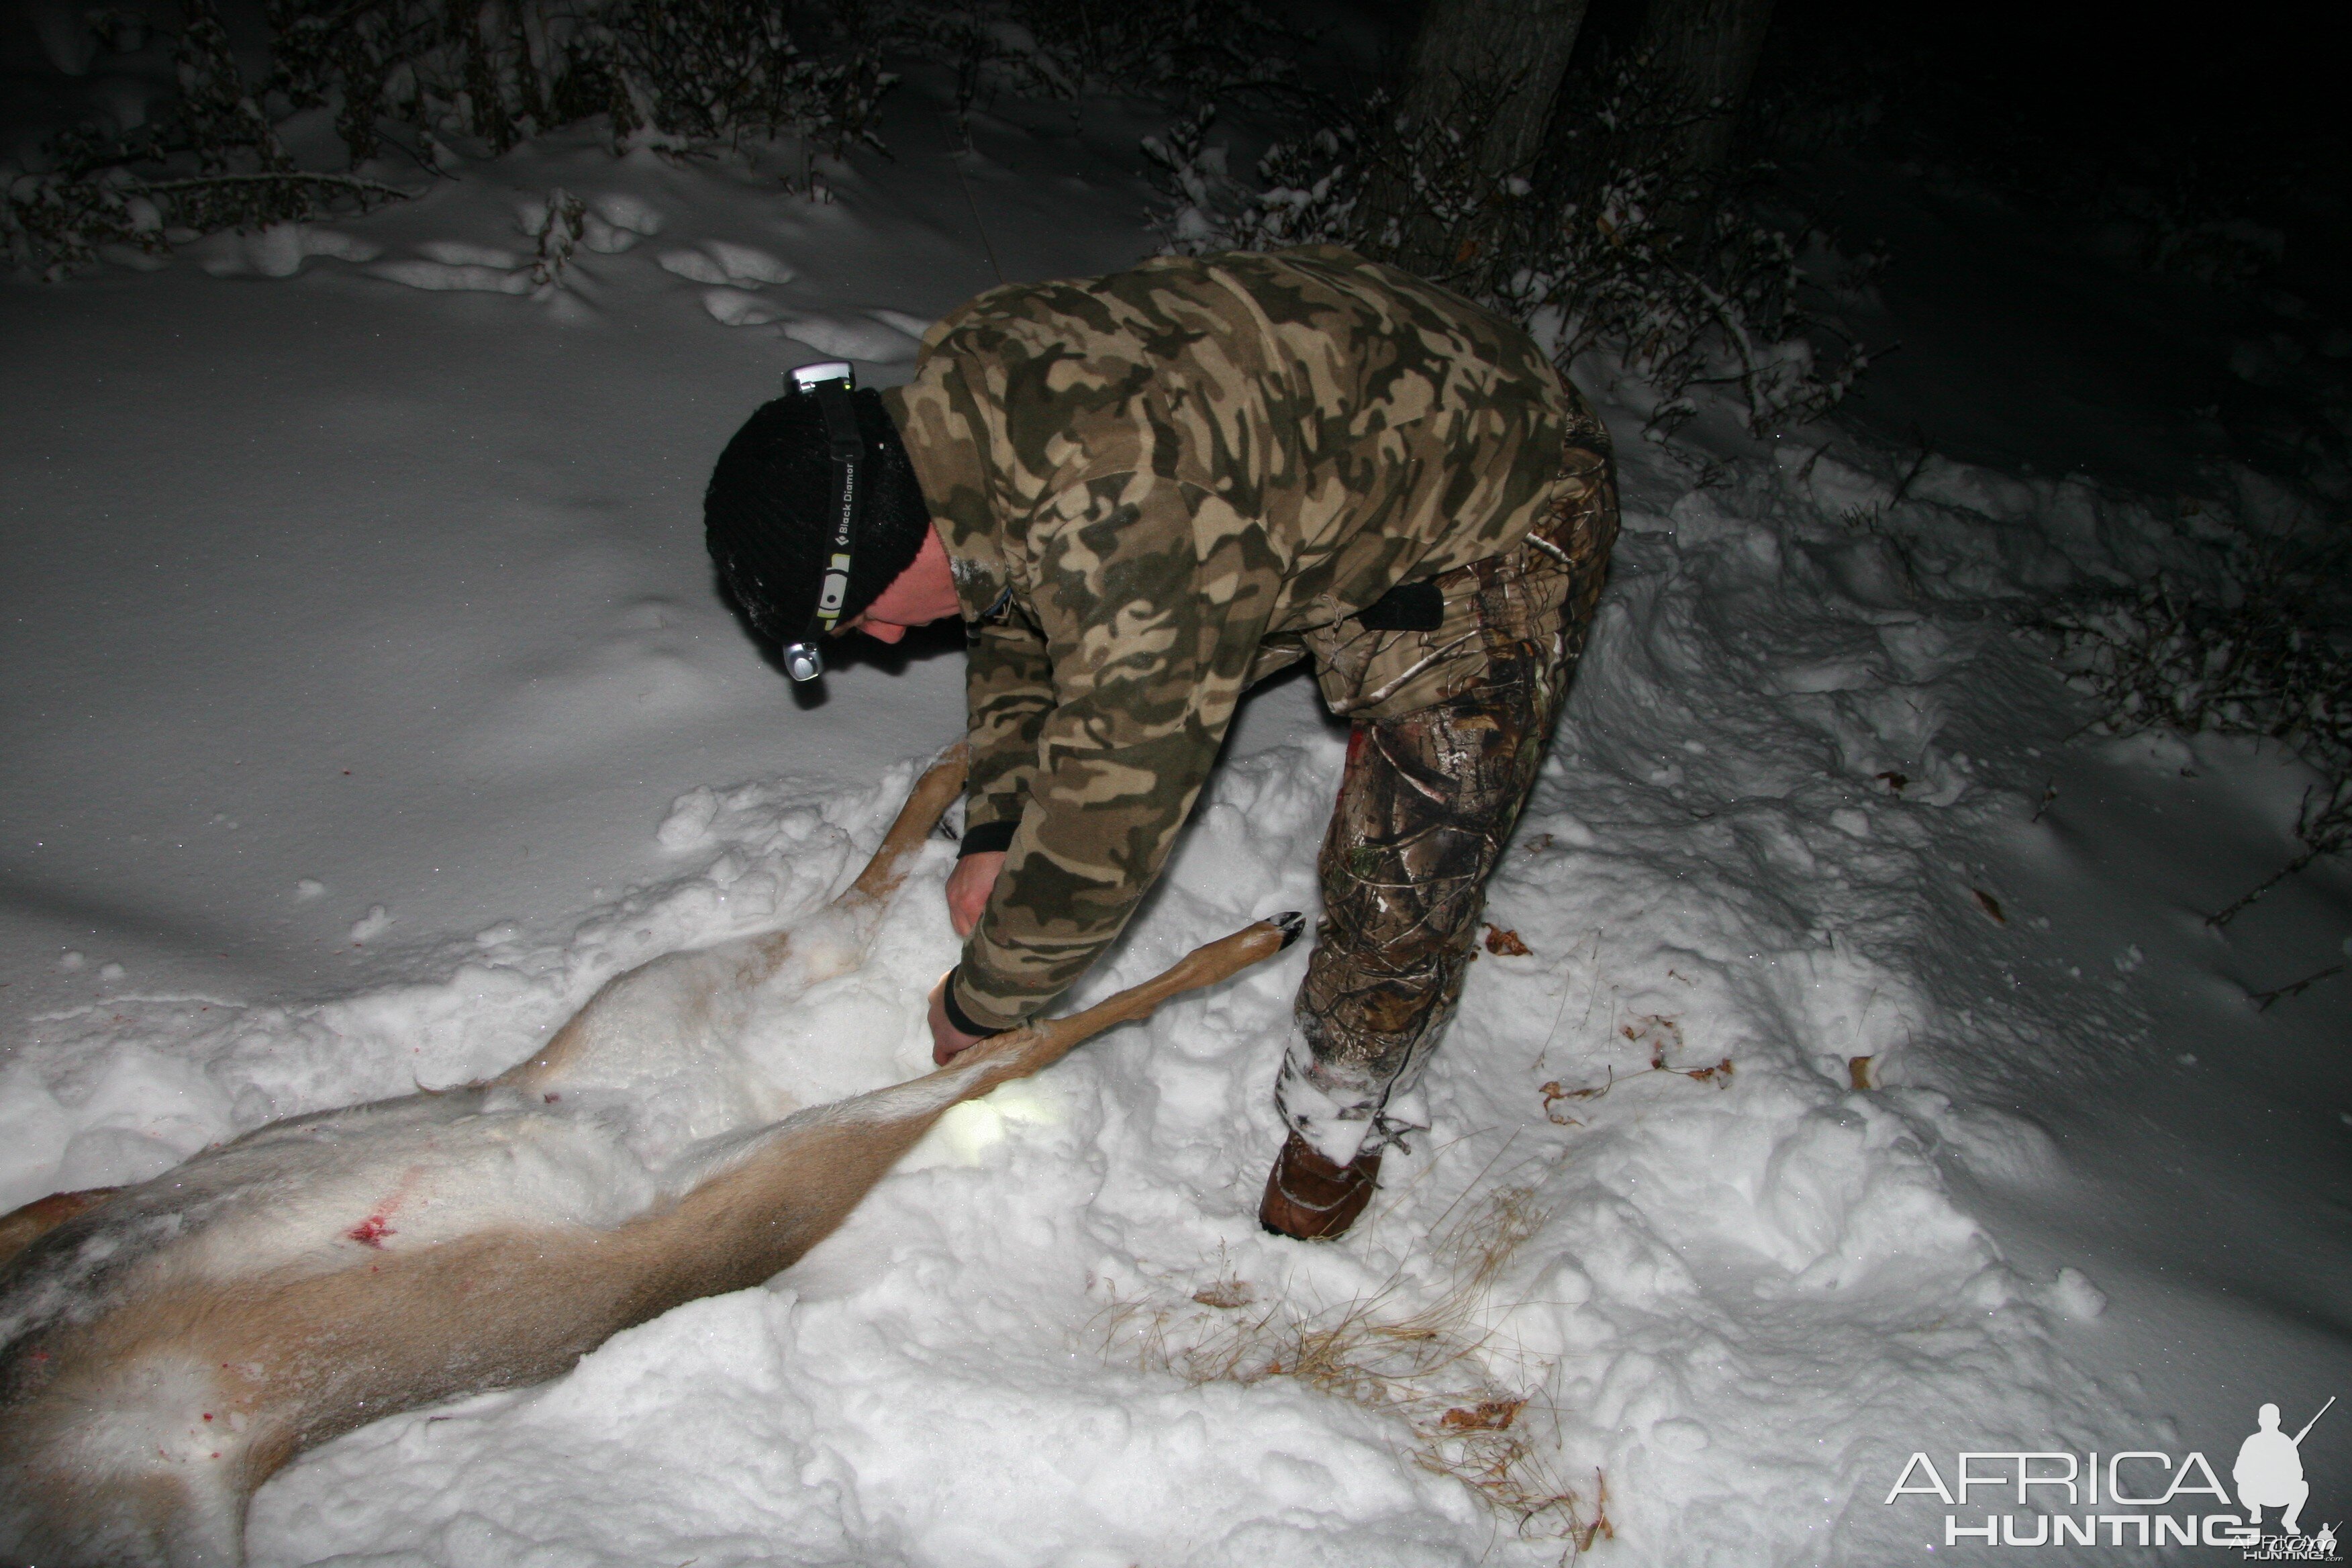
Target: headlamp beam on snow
{"points": [[831, 383]]}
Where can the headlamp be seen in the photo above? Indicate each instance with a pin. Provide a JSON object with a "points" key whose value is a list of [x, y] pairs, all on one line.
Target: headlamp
{"points": [[831, 383]]}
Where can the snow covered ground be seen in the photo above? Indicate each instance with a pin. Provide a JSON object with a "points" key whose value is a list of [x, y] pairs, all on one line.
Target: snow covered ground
{"points": [[368, 704]]}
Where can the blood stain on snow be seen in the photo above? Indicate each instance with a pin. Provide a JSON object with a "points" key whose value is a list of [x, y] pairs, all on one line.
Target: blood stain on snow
{"points": [[370, 1231]]}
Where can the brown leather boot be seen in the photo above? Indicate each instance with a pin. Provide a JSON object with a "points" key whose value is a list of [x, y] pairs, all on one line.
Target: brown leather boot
{"points": [[1308, 1198]]}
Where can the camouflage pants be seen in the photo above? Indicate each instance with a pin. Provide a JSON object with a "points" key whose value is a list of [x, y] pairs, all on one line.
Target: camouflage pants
{"points": [[1427, 801]]}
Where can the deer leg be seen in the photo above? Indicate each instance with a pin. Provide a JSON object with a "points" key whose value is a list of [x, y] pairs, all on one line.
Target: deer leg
{"points": [[788, 1187]]}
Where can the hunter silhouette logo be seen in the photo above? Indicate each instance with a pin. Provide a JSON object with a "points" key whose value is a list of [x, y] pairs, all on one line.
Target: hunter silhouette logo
{"points": [[2269, 1471], [2269, 1474]]}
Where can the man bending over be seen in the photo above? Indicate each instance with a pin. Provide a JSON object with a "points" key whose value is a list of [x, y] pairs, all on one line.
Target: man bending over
{"points": [[1143, 492]]}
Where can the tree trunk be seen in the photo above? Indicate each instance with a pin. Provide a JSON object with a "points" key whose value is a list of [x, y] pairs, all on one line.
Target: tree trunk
{"points": [[1676, 115], [1705, 52], [1486, 70]]}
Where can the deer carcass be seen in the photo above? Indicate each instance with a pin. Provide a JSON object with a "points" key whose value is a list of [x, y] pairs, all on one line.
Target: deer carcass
{"points": [[165, 1347]]}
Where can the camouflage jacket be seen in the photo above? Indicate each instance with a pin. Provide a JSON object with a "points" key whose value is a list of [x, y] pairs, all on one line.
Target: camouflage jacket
{"points": [[1159, 485]]}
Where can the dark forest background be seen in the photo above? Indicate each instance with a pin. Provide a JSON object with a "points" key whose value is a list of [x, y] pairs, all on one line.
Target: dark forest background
{"points": [[1687, 194]]}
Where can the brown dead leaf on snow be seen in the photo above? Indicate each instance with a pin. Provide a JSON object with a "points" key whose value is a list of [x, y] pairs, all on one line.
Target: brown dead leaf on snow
{"points": [[1227, 1294], [1490, 1415], [1990, 906], [1895, 781], [1504, 942], [1555, 1092], [1862, 1072]]}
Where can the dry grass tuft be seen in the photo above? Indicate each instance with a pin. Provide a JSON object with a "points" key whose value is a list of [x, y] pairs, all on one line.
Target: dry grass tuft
{"points": [[1426, 1369]]}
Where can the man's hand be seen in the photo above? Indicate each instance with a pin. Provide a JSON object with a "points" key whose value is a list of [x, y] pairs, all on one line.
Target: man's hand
{"points": [[969, 886], [948, 1042]]}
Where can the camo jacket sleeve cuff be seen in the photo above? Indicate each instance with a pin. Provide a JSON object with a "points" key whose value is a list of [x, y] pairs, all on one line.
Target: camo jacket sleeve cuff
{"points": [[972, 1019], [988, 838]]}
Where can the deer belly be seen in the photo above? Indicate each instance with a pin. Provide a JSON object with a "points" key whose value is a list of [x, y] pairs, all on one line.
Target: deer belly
{"points": [[422, 1186]]}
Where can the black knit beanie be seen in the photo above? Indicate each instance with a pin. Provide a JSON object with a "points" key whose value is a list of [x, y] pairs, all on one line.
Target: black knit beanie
{"points": [[766, 512]]}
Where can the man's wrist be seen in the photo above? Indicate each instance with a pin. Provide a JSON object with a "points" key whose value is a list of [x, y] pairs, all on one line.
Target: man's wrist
{"points": [[957, 1016], [988, 838]]}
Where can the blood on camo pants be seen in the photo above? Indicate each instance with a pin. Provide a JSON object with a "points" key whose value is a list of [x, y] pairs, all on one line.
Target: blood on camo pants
{"points": [[1426, 803]]}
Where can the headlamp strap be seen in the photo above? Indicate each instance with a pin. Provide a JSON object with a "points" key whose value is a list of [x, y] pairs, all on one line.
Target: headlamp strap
{"points": [[832, 401], [830, 383]]}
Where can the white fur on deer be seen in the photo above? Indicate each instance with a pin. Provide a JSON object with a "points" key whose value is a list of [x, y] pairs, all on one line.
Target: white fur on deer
{"points": [[167, 1348]]}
